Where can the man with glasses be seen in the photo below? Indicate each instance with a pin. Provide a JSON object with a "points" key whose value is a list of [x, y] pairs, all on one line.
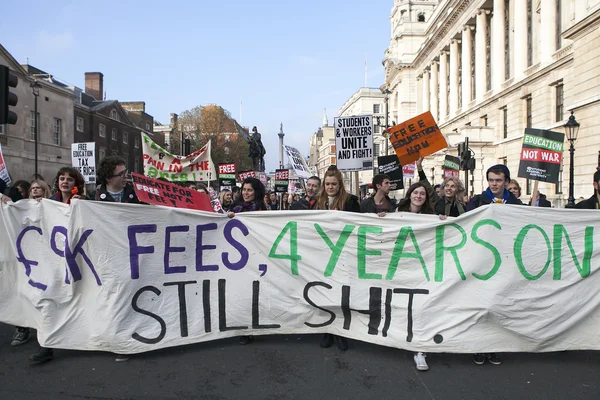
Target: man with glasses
{"points": [[593, 203], [112, 176]]}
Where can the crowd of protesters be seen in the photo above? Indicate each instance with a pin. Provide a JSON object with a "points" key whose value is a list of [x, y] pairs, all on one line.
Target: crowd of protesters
{"points": [[445, 200]]}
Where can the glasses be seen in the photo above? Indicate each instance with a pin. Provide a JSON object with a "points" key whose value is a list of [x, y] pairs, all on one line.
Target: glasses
{"points": [[121, 174]]}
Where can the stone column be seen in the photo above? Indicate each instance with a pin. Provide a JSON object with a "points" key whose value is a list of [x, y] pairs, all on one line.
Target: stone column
{"points": [[498, 43], [433, 89], [453, 77], [520, 38], [426, 106], [547, 30], [467, 40], [443, 86], [480, 62]]}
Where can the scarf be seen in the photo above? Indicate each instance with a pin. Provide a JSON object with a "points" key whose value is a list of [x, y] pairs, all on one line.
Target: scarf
{"points": [[448, 206], [245, 206], [496, 200]]}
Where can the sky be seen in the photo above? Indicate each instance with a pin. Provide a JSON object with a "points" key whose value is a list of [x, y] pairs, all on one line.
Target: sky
{"points": [[284, 61]]}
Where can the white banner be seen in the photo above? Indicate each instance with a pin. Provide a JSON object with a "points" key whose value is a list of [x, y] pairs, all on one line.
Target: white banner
{"points": [[354, 142], [83, 159], [502, 278], [195, 167], [3, 170], [298, 162]]}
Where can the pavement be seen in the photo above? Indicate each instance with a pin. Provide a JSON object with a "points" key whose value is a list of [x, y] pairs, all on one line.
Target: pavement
{"points": [[291, 367]]}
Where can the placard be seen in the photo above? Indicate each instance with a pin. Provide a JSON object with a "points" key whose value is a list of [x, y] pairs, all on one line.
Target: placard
{"points": [[298, 162], [541, 155], [282, 177], [416, 137], [242, 175], [390, 166], [83, 159], [153, 191], [227, 175], [354, 142], [3, 170]]}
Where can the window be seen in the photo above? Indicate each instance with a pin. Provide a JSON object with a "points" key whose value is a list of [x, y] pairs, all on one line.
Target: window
{"points": [[148, 126], [57, 131], [376, 151], [506, 39], [488, 53], [558, 25], [136, 141], [137, 167], [124, 137], [376, 108], [102, 130], [79, 124], [101, 153], [473, 86], [560, 109], [376, 129], [559, 184], [529, 33], [114, 115], [32, 125], [528, 121], [505, 122], [484, 120], [113, 134], [421, 17]]}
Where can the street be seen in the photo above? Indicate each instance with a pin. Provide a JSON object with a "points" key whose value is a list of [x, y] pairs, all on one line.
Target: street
{"points": [[292, 367]]}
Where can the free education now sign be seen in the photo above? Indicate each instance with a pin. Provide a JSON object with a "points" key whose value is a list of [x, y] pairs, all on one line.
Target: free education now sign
{"points": [[127, 278]]}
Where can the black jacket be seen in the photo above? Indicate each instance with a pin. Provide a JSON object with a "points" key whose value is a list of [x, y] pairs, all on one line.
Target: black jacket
{"points": [[439, 203], [589, 204], [351, 205], [368, 205], [303, 204], [128, 195], [483, 199]]}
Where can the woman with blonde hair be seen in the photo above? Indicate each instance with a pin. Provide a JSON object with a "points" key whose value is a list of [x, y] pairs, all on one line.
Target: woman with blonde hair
{"points": [[451, 201], [514, 187], [39, 190]]}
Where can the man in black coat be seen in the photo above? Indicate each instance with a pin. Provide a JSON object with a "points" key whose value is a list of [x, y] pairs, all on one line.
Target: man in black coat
{"points": [[593, 203]]}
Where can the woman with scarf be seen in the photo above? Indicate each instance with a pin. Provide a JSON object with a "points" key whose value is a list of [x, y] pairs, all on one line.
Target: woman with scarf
{"points": [[333, 196], [68, 185], [451, 203], [252, 199]]}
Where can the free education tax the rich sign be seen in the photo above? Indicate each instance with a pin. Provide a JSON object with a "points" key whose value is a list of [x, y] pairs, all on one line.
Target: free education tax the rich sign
{"points": [[354, 142], [541, 155]]}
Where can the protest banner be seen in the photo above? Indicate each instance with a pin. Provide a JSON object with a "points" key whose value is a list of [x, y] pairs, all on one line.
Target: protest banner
{"points": [[500, 278], [159, 163], [262, 177], [83, 159], [541, 155], [416, 137], [227, 176], [409, 170], [153, 191], [354, 142], [4, 170], [390, 166], [282, 177], [451, 166], [246, 174], [298, 162]]}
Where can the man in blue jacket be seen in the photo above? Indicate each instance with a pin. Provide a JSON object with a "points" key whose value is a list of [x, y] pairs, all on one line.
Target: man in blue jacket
{"points": [[498, 177]]}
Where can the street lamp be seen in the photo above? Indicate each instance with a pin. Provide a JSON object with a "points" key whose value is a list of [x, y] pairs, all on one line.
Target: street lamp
{"points": [[387, 93], [571, 129], [35, 87]]}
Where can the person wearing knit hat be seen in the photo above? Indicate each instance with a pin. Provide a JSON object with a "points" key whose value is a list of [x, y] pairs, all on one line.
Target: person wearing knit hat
{"points": [[593, 203], [498, 177]]}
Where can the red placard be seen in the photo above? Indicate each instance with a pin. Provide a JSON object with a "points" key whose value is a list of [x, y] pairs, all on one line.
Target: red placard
{"points": [[408, 170], [153, 191], [227, 168], [450, 173], [246, 174]]}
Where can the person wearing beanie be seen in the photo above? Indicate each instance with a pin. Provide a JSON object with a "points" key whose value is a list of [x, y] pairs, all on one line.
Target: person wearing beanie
{"points": [[498, 177], [593, 203]]}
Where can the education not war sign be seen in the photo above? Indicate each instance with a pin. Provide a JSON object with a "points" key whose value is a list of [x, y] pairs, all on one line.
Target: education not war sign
{"points": [[541, 155], [83, 159], [298, 162], [127, 278], [159, 163], [354, 142], [416, 137]]}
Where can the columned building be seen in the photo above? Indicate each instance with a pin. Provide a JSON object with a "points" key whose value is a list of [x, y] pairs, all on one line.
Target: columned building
{"points": [[488, 69]]}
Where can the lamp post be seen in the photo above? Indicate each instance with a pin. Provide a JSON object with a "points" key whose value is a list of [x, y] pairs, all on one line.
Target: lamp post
{"points": [[571, 129], [387, 93], [35, 87]]}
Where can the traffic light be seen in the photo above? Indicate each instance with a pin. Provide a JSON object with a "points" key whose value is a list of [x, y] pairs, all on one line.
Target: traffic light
{"points": [[465, 155], [7, 98]]}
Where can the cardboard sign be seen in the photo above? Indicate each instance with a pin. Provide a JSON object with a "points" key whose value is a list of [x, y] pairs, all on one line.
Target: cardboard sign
{"points": [[159, 163], [416, 137], [450, 173], [227, 174], [83, 159], [246, 174], [541, 155], [452, 162], [3, 170], [390, 165], [262, 177], [153, 191], [298, 162], [409, 170], [354, 142], [282, 177]]}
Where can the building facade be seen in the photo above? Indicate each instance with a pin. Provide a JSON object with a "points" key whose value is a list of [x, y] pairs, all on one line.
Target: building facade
{"points": [[55, 124], [487, 70]]}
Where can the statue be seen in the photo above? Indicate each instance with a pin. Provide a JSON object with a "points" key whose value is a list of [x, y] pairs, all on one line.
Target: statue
{"points": [[257, 151]]}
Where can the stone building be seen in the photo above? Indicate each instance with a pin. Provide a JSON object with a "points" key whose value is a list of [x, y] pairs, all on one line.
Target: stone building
{"points": [[488, 69]]}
